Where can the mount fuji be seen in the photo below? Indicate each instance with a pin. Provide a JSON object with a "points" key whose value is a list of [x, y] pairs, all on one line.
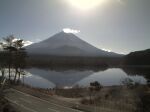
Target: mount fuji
{"points": [[67, 44]]}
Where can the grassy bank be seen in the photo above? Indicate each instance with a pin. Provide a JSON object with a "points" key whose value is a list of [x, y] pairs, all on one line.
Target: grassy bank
{"points": [[108, 99]]}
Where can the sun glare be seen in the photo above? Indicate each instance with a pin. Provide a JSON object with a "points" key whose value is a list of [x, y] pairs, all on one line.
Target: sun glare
{"points": [[86, 4]]}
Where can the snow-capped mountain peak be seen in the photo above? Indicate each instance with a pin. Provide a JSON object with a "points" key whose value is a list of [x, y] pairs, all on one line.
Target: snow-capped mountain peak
{"points": [[66, 44]]}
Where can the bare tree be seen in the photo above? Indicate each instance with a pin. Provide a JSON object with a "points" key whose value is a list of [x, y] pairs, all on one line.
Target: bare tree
{"points": [[19, 58], [9, 47], [16, 53]]}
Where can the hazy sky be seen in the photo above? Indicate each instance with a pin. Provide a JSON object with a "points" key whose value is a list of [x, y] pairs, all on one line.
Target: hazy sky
{"points": [[119, 25]]}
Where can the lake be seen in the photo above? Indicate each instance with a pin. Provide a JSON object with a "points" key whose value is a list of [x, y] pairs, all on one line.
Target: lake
{"points": [[50, 78]]}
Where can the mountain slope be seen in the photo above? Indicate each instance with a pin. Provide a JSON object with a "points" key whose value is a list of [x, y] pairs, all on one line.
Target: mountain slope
{"points": [[138, 58], [67, 44]]}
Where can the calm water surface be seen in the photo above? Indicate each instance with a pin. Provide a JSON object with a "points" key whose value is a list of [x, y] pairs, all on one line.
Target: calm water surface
{"points": [[45, 78]]}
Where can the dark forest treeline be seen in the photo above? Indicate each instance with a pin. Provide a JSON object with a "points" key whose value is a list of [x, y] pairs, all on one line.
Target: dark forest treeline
{"points": [[47, 60], [138, 58]]}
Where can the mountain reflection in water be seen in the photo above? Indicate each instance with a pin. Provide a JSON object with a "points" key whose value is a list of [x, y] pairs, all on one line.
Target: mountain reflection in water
{"points": [[63, 77]]}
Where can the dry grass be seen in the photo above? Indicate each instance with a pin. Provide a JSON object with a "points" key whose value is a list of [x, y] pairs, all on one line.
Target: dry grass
{"points": [[109, 99], [121, 99]]}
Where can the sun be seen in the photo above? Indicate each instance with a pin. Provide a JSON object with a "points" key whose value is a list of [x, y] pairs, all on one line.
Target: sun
{"points": [[86, 4]]}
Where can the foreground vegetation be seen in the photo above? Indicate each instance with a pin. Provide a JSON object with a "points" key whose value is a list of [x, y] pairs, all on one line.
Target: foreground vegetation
{"points": [[130, 97]]}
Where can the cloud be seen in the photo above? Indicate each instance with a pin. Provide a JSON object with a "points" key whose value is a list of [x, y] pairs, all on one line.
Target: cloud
{"points": [[26, 43], [68, 30], [106, 50]]}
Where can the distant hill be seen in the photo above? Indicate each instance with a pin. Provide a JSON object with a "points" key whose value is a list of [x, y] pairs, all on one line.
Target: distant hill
{"points": [[67, 44], [138, 58]]}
